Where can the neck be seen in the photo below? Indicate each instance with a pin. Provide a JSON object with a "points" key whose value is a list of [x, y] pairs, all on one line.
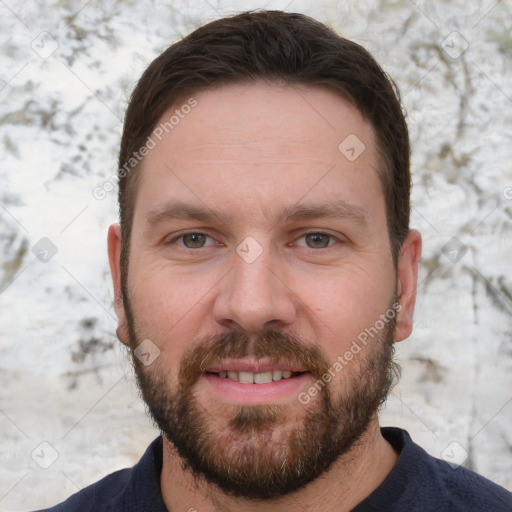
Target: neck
{"points": [[350, 479]]}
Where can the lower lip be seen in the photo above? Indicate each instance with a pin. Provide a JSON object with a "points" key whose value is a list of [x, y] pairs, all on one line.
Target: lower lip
{"points": [[252, 394]]}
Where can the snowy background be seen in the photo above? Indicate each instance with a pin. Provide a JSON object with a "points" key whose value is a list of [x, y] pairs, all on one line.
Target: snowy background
{"points": [[69, 410]]}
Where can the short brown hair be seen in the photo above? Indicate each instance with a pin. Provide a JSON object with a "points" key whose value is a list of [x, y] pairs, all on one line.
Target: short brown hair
{"points": [[278, 46]]}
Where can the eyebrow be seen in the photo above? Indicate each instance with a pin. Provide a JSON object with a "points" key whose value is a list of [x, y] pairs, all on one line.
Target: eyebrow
{"points": [[179, 210]]}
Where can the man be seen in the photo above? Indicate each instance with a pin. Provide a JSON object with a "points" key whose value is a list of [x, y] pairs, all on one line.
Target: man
{"points": [[263, 269]]}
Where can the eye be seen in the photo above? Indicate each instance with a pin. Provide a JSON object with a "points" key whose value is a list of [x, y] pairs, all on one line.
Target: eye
{"points": [[196, 240], [191, 240], [318, 240]]}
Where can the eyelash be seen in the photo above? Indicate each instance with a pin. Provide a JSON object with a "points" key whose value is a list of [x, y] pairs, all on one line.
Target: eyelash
{"points": [[176, 238]]}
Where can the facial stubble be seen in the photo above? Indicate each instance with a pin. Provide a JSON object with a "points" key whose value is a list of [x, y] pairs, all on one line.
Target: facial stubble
{"points": [[265, 451]]}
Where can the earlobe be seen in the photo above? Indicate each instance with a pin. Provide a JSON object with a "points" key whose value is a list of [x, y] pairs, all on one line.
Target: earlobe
{"points": [[114, 258], [407, 282]]}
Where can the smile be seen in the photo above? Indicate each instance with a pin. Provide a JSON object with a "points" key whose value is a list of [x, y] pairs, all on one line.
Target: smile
{"points": [[255, 377], [272, 381]]}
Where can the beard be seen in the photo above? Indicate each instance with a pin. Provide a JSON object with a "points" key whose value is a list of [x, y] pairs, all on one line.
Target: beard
{"points": [[266, 451]]}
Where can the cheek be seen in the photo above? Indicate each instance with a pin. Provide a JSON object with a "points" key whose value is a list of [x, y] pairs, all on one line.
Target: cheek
{"points": [[166, 308], [346, 303], [163, 291]]}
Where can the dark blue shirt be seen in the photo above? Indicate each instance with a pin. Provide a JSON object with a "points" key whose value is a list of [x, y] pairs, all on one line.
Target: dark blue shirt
{"points": [[417, 483]]}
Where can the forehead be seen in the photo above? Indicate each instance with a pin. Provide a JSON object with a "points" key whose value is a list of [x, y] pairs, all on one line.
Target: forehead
{"points": [[258, 146]]}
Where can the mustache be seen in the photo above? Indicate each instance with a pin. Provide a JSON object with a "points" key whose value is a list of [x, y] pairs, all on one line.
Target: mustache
{"points": [[274, 346]]}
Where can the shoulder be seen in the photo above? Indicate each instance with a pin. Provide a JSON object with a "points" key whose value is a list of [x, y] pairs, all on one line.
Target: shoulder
{"points": [[98, 496], [135, 489], [466, 490], [420, 482]]}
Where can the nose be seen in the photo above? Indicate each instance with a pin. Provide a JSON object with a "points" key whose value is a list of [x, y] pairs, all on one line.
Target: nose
{"points": [[254, 296]]}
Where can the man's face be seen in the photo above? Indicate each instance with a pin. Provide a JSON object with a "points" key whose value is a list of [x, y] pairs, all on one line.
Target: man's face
{"points": [[259, 251]]}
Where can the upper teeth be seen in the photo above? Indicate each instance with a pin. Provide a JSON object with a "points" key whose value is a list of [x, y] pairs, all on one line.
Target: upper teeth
{"points": [[256, 378]]}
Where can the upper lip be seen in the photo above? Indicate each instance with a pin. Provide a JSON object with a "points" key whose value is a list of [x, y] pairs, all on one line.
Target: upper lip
{"points": [[252, 366]]}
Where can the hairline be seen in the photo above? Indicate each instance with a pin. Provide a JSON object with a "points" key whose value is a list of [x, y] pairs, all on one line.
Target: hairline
{"points": [[383, 169]]}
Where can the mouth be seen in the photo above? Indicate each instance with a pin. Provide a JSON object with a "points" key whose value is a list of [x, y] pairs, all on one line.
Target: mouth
{"points": [[271, 382], [246, 377]]}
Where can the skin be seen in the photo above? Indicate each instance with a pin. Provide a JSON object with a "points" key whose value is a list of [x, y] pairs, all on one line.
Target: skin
{"points": [[246, 152]]}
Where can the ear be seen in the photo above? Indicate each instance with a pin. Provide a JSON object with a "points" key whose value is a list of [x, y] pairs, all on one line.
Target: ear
{"points": [[114, 258], [407, 283]]}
